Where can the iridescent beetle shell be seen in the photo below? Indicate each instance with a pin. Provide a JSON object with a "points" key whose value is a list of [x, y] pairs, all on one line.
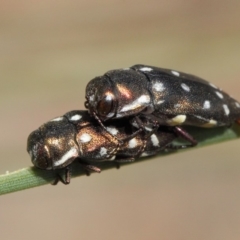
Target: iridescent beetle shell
{"points": [[170, 97], [53, 145], [76, 135]]}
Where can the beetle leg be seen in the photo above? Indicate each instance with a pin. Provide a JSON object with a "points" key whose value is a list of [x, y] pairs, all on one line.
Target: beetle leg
{"points": [[132, 135], [89, 168], [56, 180], [67, 177], [102, 125], [143, 127], [178, 130], [185, 135]]}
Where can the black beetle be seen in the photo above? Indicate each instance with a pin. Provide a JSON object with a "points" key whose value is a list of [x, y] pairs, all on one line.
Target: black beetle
{"points": [[77, 136], [163, 96]]}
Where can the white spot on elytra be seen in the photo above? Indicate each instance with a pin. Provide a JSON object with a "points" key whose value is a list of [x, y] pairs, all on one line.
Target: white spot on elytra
{"points": [[237, 104], [85, 137], [179, 119], [210, 124], [175, 73], [112, 158], [160, 101], [103, 151], [154, 140], [145, 154], [57, 119], [219, 94], [72, 153], [146, 69], [75, 117], [185, 87], [226, 109], [200, 117], [206, 105], [143, 100], [112, 130], [213, 122], [158, 86], [132, 143]]}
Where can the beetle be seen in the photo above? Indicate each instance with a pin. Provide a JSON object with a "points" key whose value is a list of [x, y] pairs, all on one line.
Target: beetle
{"points": [[163, 96], [77, 136]]}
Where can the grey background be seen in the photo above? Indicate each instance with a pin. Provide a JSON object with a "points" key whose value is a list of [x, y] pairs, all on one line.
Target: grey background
{"points": [[50, 50]]}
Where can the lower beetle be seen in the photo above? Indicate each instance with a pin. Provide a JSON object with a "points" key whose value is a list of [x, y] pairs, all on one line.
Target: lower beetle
{"points": [[166, 97], [77, 136]]}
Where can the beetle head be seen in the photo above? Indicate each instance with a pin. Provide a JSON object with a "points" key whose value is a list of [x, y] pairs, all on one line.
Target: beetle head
{"points": [[52, 146], [100, 98], [117, 94]]}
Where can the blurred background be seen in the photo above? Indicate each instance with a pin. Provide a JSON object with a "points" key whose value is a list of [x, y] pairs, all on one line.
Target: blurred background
{"points": [[49, 50]]}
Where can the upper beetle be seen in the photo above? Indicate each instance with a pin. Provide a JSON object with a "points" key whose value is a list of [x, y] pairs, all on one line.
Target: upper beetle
{"points": [[166, 96]]}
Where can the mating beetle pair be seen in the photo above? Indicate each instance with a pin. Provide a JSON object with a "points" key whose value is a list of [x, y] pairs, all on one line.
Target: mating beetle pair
{"points": [[152, 105]]}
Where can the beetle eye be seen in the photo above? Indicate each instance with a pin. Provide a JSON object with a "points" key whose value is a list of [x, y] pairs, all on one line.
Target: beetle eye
{"points": [[105, 106]]}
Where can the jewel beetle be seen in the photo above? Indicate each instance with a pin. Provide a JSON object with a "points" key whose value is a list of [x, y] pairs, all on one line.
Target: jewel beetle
{"points": [[77, 136], [164, 96]]}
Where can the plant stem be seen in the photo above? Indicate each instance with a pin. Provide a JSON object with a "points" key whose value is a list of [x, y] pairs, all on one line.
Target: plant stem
{"points": [[33, 177]]}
